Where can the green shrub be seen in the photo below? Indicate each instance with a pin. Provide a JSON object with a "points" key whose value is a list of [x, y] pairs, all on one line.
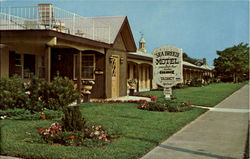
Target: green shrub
{"points": [[172, 105], [180, 86], [36, 95], [34, 103], [12, 112], [73, 120], [12, 93], [52, 114], [176, 106], [195, 82], [26, 115], [59, 93], [22, 114], [216, 80], [157, 106]]}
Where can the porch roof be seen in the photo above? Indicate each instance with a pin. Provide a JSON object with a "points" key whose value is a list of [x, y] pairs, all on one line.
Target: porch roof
{"points": [[140, 56], [45, 37]]}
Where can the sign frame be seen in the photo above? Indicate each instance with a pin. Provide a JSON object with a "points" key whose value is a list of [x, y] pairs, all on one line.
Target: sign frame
{"points": [[168, 67]]}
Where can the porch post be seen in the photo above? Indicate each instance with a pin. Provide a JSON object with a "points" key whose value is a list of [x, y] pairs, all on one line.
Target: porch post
{"points": [[151, 77], [79, 75], [190, 74], [138, 81], [47, 60]]}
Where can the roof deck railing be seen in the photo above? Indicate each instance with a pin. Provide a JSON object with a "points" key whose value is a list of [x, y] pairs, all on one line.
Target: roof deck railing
{"points": [[46, 16]]}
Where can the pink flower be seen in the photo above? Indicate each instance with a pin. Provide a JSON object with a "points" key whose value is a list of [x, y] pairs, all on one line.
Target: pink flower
{"points": [[97, 133], [91, 134], [46, 132], [103, 136]]}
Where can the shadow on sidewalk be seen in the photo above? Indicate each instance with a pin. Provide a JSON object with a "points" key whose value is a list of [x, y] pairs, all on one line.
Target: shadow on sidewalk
{"points": [[195, 152], [142, 139]]}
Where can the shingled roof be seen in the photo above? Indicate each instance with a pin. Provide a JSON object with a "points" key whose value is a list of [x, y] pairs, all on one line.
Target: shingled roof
{"points": [[118, 24]]}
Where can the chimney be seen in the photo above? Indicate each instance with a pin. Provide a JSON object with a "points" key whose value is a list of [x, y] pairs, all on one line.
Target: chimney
{"points": [[204, 60]]}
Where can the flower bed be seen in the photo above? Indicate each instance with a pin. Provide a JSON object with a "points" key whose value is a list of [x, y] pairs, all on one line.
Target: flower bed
{"points": [[153, 98], [121, 101], [144, 103], [169, 105], [91, 136]]}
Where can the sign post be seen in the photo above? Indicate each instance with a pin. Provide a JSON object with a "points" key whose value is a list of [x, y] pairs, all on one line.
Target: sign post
{"points": [[167, 68]]}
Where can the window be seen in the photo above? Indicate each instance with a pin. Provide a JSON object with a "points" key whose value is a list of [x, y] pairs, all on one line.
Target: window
{"points": [[18, 65], [88, 66], [41, 67], [23, 65]]}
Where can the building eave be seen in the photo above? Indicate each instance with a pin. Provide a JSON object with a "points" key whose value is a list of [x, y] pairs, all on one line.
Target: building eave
{"points": [[51, 33]]}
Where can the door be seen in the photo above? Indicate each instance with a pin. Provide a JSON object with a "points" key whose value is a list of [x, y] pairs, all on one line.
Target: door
{"points": [[115, 76], [29, 65], [61, 62]]}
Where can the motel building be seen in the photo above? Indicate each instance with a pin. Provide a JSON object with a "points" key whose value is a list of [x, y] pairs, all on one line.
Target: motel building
{"points": [[45, 40], [140, 67]]}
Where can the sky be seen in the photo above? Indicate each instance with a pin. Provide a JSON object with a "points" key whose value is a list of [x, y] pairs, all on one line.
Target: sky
{"points": [[199, 27]]}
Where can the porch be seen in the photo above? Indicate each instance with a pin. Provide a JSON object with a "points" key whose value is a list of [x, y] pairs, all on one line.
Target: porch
{"points": [[40, 54], [142, 73]]}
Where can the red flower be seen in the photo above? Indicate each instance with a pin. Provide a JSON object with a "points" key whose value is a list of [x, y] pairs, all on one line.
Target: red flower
{"points": [[153, 98], [72, 137], [141, 101], [41, 130], [86, 129], [53, 131], [43, 116]]}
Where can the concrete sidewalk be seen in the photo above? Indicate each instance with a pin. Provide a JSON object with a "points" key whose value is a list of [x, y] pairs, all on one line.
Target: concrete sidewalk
{"points": [[220, 133]]}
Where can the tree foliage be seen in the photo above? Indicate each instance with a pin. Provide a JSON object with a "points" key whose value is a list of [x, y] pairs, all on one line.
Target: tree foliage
{"points": [[233, 63], [189, 59]]}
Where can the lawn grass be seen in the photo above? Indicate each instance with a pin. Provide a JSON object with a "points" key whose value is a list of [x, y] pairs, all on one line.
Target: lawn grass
{"points": [[210, 95], [140, 132]]}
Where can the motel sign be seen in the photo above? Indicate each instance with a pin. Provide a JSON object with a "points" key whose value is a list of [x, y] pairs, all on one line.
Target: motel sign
{"points": [[167, 67]]}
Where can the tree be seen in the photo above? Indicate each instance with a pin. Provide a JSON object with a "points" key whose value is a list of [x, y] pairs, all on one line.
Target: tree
{"points": [[233, 62], [189, 59]]}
